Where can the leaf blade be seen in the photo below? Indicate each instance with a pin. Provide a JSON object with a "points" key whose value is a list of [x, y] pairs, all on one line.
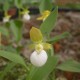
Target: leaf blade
{"points": [[45, 5], [6, 6], [12, 57], [16, 27], [47, 26], [69, 65], [59, 37], [4, 31], [18, 3]]}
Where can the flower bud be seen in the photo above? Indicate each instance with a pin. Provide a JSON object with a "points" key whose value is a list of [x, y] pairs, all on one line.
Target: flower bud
{"points": [[38, 59], [26, 17], [5, 19]]}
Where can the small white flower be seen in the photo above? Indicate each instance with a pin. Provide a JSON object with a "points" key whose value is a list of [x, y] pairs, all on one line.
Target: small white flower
{"points": [[38, 59], [26, 17], [5, 19]]}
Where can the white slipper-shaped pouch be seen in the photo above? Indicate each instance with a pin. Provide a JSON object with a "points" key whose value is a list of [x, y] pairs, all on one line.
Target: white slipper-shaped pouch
{"points": [[38, 59]]}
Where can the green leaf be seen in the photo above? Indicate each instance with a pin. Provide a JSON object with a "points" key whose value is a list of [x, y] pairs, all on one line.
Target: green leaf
{"points": [[44, 71], [4, 31], [16, 27], [18, 3], [47, 26], [8, 48], [7, 69], [45, 5], [69, 65], [59, 37], [6, 5], [13, 57]]}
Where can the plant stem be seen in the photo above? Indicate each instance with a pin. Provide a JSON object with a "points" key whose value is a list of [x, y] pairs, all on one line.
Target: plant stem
{"points": [[0, 40]]}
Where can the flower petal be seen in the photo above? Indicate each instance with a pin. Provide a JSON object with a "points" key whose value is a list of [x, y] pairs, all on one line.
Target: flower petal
{"points": [[45, 14], [40, 18], [46, 46], [36, 35]]}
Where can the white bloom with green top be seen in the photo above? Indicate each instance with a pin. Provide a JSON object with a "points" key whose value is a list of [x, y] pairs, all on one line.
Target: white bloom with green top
{"points": [[26, 17], [39, 57], [6, 17]]}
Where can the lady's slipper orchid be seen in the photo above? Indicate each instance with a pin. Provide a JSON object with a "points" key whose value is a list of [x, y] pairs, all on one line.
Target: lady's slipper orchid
{"points": [[45, 14], [39, 57], [6, 18], [26, 16]]}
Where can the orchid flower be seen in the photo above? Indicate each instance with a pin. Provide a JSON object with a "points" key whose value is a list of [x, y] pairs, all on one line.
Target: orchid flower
{"points": [[39, 57], [6, 18], [45, 14], [26, 16]]}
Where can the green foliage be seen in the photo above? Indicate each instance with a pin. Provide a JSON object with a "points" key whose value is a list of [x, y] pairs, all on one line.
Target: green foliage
{"points": [[18, 3], [59, 37], [16, 28], [9, 48], [6, 6], [69, 65], [4, 31], [47, 26], [16, 58], [45, 5]]}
